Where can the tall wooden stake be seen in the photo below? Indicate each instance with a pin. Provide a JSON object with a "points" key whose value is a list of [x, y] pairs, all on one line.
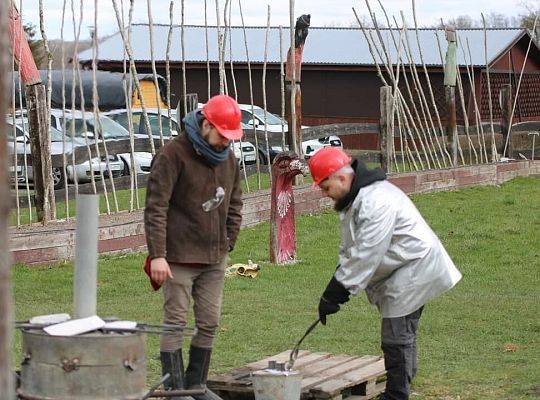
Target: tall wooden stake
{"points": [[451, 127], [40, 143], [386, 135], [506, 108], [6, 381], [36, 105], [450, 77]]}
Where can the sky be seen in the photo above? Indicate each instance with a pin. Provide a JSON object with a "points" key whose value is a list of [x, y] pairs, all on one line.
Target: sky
{"points": [[323, 12]]}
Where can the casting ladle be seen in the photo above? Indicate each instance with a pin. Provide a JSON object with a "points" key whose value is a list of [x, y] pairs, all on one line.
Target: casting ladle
{"points": [[296, 348]]}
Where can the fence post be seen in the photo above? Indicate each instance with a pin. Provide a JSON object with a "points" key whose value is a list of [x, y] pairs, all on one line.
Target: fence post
{"points": [[386, 136], [36, 105], [451, 127], [6, 376], [506, 108], [40, 143], [450, 76]]}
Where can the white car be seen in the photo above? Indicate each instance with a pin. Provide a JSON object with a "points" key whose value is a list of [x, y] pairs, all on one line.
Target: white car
{"points": [[120, 116], [245, 149], [110, 131], [82, 171], [275, 125]]}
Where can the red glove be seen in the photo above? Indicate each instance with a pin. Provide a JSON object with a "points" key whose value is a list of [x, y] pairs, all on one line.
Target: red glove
{"points": [[154, 284]]}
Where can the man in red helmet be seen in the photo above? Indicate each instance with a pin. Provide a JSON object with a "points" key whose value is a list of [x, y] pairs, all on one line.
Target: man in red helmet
{"points": [[192, 219], [388, 250]]}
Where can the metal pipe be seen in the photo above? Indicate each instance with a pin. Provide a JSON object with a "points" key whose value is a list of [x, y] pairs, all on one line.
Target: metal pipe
{"points": [[175, 393], [163, 379], [85, 276]]}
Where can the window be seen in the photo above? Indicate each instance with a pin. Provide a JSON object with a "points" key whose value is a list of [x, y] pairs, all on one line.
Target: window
{"points": [[246, 116], [18, 132], [154, 125]]}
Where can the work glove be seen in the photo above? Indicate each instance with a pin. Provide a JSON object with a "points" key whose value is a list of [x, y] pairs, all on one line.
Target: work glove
{"points": [[334, 295]]}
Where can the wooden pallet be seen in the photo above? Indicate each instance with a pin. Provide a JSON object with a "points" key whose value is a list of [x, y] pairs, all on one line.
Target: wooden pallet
{"points": [[324, 376]]}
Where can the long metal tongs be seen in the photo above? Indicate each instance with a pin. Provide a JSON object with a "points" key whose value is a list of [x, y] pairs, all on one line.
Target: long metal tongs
{"points": [[294, 353]]}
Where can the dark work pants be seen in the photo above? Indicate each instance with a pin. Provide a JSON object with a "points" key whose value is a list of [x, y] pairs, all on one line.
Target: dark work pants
{"points": [[398, 343]]}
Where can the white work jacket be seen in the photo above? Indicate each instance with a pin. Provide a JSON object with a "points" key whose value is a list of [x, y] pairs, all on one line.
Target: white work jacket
{"points": [[388, 250]]}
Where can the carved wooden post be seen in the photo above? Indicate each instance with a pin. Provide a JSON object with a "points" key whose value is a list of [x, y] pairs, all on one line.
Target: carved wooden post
{"points": [[36, 104], [282, 221], [6, 376], [450, 76], [506, 108], [386, 136], [293, 70]]}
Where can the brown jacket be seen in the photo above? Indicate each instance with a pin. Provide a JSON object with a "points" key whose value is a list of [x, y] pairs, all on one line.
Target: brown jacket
{"points": [[176, 225]]}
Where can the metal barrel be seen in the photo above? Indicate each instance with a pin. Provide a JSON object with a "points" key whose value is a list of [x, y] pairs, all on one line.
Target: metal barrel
{"points": [[93, 366], [277, 385]]}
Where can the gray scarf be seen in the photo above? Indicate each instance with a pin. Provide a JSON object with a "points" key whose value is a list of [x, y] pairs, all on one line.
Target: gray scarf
{"points": [[192, 122]]}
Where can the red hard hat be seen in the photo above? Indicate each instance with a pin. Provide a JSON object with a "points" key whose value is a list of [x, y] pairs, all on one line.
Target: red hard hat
{"points": [[223, 112], [327, 161]]}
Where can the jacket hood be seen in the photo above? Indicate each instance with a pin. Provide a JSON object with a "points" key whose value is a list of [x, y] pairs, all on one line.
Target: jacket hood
{"points": [[362, 177]]}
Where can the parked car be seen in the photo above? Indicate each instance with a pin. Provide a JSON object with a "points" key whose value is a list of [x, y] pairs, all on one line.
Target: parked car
{"points": [[110, 131], [245, 149], [255, 117], [139, 129], [82, 171]]}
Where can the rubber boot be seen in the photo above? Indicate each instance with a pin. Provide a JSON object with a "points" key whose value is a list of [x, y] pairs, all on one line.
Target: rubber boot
{"points": [[197, 372], [173, 364]]}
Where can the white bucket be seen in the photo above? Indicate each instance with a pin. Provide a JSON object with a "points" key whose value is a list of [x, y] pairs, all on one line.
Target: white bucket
{"points": [[277, 385]]}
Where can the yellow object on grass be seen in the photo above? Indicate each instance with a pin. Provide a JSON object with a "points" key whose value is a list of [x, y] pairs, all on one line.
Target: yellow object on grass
{"points": [[249, 270]]}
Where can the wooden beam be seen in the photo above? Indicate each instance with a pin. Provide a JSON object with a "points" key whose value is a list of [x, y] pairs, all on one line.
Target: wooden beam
{"points": [[386, 136], [451, 127], [6, 376], [506, 108], [40, 143]]}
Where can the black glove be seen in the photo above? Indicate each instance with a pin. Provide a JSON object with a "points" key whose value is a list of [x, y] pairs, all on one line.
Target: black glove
{"points": [[334, 295]]}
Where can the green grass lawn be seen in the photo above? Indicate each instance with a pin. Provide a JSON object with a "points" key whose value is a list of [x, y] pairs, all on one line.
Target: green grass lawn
{"points": [[492, 233]]}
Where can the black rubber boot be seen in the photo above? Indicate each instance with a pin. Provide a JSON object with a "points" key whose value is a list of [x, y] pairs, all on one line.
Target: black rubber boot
{"points": [[197, 372], [173, 364]]}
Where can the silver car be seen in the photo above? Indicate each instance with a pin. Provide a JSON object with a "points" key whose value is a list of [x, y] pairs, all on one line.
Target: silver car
{"points": [[106, 129], [81, 171]]}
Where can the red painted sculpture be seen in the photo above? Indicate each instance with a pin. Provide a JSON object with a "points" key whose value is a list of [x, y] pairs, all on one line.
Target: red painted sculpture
{"points": [[282, 222], [300, 34], [21, 48]]}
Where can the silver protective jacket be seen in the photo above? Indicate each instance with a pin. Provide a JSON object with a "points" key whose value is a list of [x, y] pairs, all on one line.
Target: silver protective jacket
{"points": [[388, 250]]}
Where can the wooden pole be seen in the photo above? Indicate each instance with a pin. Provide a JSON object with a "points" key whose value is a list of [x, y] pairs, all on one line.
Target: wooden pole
{"points": [[385, 132], [506, 108], [451, 127], [450, 77], [40, 143], [6, 381], [293, 143], [36, 106]]}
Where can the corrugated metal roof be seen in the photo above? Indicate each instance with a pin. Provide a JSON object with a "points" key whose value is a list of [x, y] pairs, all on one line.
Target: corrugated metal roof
{"points": [[335, 46]]}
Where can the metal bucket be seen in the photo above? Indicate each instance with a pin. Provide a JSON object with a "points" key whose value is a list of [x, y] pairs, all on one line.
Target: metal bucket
{"points": [[277, 385], [93, 366]]}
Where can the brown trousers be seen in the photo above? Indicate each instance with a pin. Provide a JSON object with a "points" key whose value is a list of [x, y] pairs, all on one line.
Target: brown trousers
{"points": [[203, 283]]}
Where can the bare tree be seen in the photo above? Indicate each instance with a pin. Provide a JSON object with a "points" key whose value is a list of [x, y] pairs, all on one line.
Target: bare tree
{"points": [[531, 10], [499, 20], [462, 22]]}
